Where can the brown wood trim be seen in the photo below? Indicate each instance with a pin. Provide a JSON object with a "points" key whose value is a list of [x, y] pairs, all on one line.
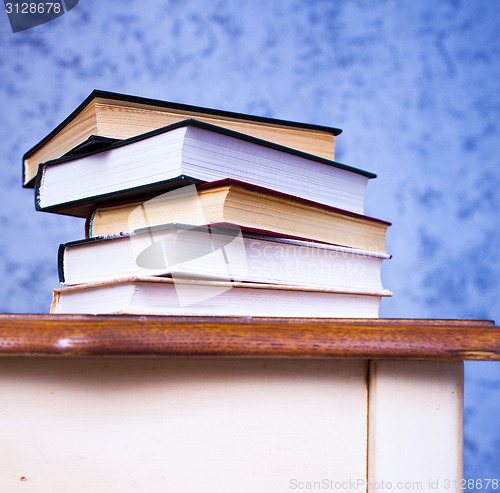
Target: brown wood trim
{"points": [[115, 335]]}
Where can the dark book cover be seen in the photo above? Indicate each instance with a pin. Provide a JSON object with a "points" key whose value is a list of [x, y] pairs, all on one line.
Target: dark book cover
{"points": [[93, 143], [80, 208]]}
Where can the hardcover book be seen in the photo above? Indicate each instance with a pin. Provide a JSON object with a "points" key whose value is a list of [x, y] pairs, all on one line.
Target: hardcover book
{"points": [[119, 116], [160, 296], [251, 207], [220, 253], [147, 164]]}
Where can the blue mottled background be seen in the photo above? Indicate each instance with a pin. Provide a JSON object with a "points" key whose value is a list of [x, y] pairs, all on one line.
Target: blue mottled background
{"points": [[413, 84]]}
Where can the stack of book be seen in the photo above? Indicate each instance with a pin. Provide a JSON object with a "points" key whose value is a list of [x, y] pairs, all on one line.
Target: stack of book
{"points": [[193, 211]]}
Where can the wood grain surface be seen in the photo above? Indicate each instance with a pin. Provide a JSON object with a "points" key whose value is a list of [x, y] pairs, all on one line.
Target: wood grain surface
{"points": [[117, 335]]}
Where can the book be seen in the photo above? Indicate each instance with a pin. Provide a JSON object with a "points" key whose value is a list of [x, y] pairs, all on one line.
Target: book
{"points": [[93, 143], [202, 153], [220, 253], [248, 206], [160, 296], [119, 116]]}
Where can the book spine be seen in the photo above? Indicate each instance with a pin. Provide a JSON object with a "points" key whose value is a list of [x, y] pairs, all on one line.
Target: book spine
{"points": [[54, 306], [60, 262], [89, 220], [25, 183], [38, 186], [80, 207]]}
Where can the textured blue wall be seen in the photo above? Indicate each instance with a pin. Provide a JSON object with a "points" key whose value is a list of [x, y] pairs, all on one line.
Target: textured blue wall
{"points": [[414, 86]]}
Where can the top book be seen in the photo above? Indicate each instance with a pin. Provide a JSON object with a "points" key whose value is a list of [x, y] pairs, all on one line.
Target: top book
{"points": [[106, 116]]}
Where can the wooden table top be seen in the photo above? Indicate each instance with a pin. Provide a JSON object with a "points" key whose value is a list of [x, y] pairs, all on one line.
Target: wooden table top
{"points": [[123, 335]]}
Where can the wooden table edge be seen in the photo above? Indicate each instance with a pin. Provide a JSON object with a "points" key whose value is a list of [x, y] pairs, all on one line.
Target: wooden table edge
{"points": [[143, 335]]}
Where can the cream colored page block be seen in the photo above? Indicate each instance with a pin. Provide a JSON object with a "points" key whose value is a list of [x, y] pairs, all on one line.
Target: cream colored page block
{"points": [[415, 426], [180, 425]]}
